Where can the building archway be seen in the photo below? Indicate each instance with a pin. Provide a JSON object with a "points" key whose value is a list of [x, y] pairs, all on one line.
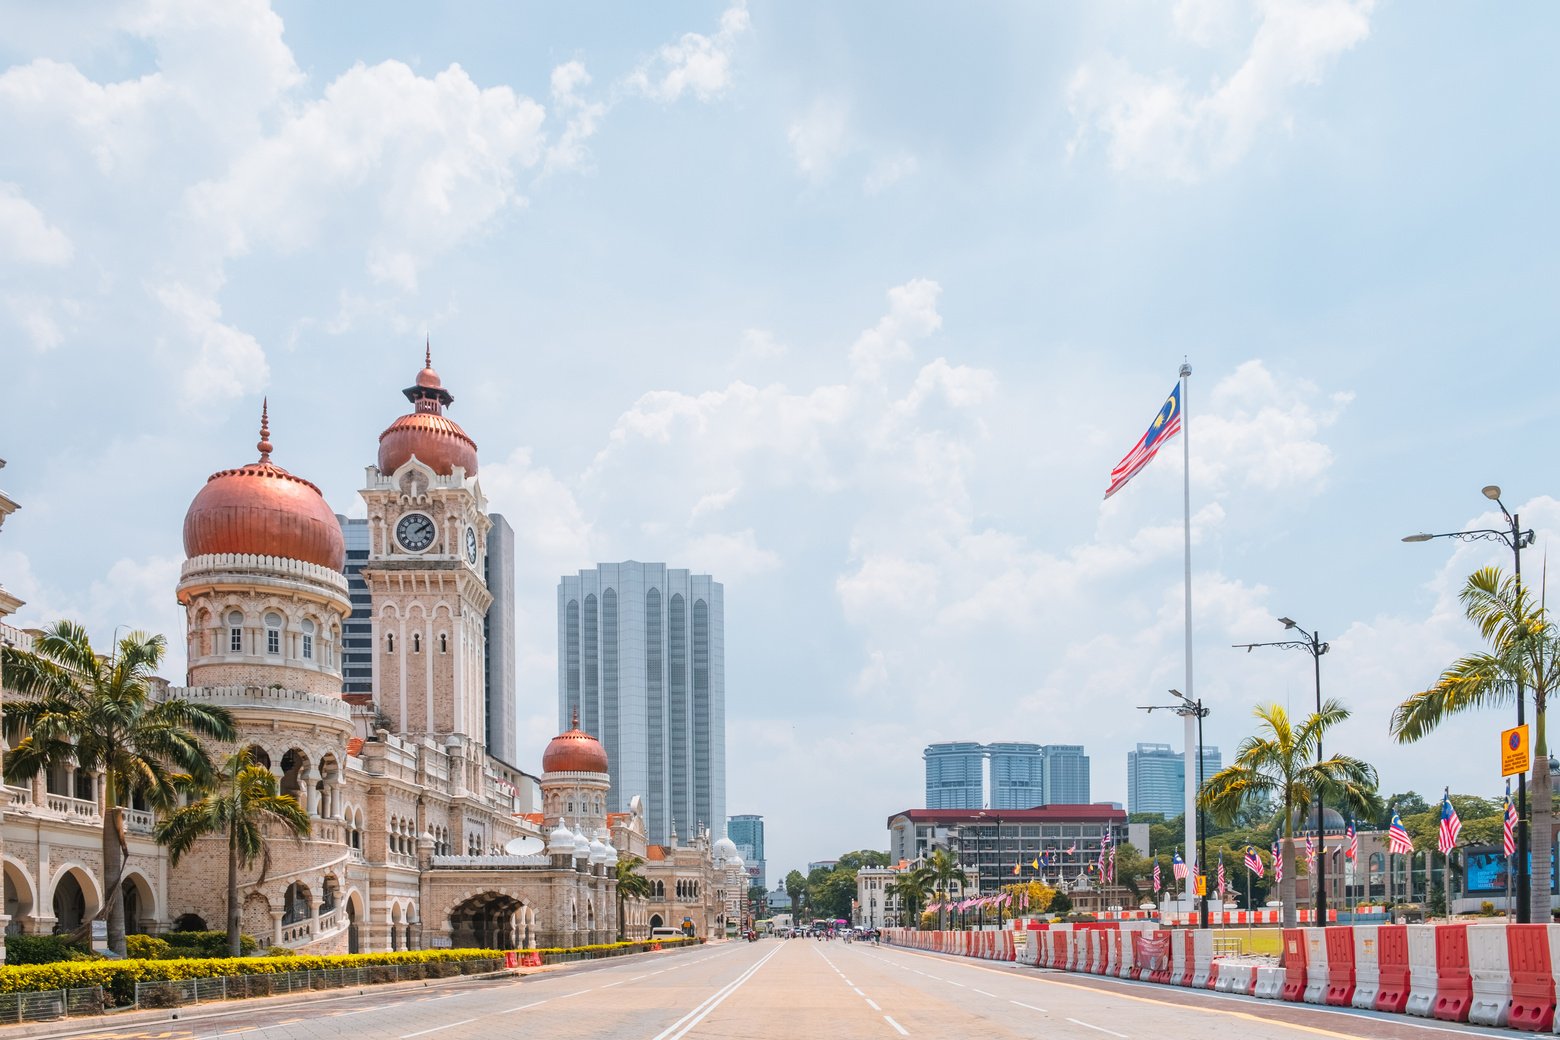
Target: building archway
{"points": [[354, 915], [656, 922], [21, 898], [486, 922], [140, 902]]}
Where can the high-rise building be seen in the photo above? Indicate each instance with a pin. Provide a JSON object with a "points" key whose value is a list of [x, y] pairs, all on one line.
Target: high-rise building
{"points": [[1066, 775], [955, 775], [642, 659], [747, 833], [1017, 776], [498, 630], [1156, 778]]}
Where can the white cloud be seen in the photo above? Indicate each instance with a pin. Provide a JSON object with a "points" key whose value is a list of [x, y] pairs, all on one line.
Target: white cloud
{"points": [[1159, 125], [1263, 432], [26, 236], [889, 171], [696, 64], [229, 363], [583, 117], [819, 139], [734, 556], [912, 315]]}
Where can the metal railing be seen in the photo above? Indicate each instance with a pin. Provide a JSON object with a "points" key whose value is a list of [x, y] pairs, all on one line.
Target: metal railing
{"points": [[50, 1004]]}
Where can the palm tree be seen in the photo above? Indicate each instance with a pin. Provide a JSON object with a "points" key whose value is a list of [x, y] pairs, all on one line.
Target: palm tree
{"points": [[239, 806], [911, 889], [630, 885], [1279, 763], [1524, 655], [945, 873], [98, 713]]}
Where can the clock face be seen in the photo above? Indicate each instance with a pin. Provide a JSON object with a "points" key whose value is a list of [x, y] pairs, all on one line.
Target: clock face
{"points": [[471, 545], [415, 532]]}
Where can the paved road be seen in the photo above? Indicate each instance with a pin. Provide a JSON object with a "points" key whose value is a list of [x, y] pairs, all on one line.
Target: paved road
{"points": [[782, 989]]}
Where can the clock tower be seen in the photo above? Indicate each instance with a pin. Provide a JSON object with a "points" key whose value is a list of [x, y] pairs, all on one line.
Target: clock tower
{"points": [[428, 525]]}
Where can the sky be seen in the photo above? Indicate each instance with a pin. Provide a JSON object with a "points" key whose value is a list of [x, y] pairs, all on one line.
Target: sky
{"points": [[853, 307]]}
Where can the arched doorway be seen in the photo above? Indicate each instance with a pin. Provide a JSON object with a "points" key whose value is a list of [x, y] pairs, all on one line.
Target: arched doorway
{"points": [[140, 904], [485, 922], [354, 914], [295, 905], [656, 922], [69, 904], [20, 902]]}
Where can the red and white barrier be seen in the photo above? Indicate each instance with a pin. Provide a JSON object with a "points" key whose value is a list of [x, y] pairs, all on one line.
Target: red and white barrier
{"points": [[1200, 948], [1454, 975], [1395, 979], [1340, 966], [1367, 966], [1315, 966], [1489, 963], [1294, 965], [1531, 955], [1421, 970]]}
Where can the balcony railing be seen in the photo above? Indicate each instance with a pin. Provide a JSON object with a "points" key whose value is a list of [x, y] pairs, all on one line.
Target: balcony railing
{"points": [[84, 807]]}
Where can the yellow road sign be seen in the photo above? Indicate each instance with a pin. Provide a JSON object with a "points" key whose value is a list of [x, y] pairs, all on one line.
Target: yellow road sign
{"points": [[1516, 755]]}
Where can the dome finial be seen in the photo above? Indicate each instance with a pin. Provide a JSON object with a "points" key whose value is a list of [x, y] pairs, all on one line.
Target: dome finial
{"points": [[265, 430], [574, 719], [427, 351]]}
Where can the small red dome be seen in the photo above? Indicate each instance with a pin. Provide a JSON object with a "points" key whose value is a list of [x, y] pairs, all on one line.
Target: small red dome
{"points": [[436, 440], [428, 379], [263, 510], [574, 752]]}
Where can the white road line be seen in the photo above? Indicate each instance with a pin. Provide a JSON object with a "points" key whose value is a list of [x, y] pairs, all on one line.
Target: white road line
{"points": [[902, 1030], [952, 983], [859, 993], [1031, 1007], [680, 1028], [575, 993], [873, 1004], [1101, 1029], [526, 1007], [435, 1029], [984, 993], [847, 981]]}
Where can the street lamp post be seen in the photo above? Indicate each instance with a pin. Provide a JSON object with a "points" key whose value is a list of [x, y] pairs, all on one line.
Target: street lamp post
{"points": [[1514, 538], [1313, 645], [1193, 709]]}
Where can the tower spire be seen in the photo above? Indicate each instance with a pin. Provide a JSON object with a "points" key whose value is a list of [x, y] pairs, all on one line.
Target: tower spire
{"points": [[427, 351], [264, 446]]}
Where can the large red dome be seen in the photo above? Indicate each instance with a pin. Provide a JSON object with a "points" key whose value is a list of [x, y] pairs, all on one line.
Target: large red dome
{"points": [[436, 440], [574, 752], [263, 510]]}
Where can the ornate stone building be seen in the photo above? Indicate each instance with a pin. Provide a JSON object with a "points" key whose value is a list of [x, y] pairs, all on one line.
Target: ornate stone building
{"points": [[419, 837]]}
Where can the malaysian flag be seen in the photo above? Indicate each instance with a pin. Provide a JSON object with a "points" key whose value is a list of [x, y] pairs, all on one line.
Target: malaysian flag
{"points": [[1158, 877], [1178, 866], [1072, 848], [1310, 851], [1508, 830], [1446, 837], [1110, 868], [1354, 842], [1278, 864], [1221, 872], [1165, 425], [1397, 837], [1254, 862]]}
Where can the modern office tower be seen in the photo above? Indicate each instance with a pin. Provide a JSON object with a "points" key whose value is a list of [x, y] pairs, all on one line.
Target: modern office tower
{"points": [[498, 630], [747, 833], [1066, 775], [1156, 778], [642, 659], [1017, 776], [357, 632], [955, 775]]}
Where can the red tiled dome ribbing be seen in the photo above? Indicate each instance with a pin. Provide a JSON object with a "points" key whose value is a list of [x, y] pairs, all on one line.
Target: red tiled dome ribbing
{"points": [[574, 752], [427, 433], [263, 510]]}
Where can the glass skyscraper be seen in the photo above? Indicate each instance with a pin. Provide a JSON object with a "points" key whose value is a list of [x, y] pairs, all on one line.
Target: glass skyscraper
{"points": [[642, 659], [1017, 776], [1066, 772], [955, 775], [1156, 778], [747, 834]]}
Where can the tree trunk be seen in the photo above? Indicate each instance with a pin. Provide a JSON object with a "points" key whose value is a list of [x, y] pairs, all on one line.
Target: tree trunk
{"points": [[235, 948], [1286, 849], [1540, 835], [113, 876]]}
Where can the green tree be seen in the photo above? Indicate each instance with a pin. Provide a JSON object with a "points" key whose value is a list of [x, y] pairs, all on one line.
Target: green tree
{"points": [[1523, 660], [631, 884], [946, 875], [239, 807], [854, 861], [911, 888], [831, 895], [99, 713], [795, 885], [1279, 764]]}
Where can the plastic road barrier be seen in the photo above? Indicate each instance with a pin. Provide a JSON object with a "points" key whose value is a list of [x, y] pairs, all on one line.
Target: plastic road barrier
{"points": [[1367, 967], [1315, 965], [1294, 964], [1489, 964], [1393, 979], [1270, 982], [1421, 970], [1340, 966], [1454, 977], [1200, 948], [1530, 952]]}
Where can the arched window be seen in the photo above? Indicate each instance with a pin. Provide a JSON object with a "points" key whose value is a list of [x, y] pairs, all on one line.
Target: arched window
{"points": [[444, 643], [273, 633], [389, 642], [416, 642], [235, 622], [308, 640]]}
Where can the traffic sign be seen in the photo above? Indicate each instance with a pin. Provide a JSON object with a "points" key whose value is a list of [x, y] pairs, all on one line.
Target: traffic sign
{"points": [[1516, 755]]}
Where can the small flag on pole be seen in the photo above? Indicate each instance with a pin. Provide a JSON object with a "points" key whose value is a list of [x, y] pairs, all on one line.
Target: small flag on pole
{"points": [[1165, 425], [1158, 877], [1178, 866], [1398, 840], [1278, 864], [1221, 872], [1354, 842], [1018, 868], [1254, 862], [1446, 836], [1508, 830]]}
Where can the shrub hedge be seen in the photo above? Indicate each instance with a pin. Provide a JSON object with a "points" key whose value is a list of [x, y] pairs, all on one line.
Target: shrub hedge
{"points": [[119, 977]]}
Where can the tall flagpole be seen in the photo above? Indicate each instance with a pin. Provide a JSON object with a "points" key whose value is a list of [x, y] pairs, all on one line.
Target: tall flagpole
{"points": [[1192, 766]]}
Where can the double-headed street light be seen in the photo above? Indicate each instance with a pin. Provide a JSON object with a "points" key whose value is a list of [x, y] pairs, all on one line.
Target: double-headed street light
{"points": [[1193, 709], [1313, 645], [1514, 538]]}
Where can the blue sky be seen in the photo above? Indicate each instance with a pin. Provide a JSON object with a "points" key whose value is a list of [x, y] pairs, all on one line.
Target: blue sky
{"points": [[853, 306]]}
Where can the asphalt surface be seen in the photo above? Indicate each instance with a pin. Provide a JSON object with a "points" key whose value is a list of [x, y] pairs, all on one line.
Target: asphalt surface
{"points": [[776, 988]]}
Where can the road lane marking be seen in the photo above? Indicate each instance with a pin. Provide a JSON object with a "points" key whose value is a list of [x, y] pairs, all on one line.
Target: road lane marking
{"points": [[902, 1030], [872, 1004], [424, 1032], [1101, 1029], [1031, 1007], [859, 993], [983, 993], [952, 983], [525, 1007], [680, 1028]]}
